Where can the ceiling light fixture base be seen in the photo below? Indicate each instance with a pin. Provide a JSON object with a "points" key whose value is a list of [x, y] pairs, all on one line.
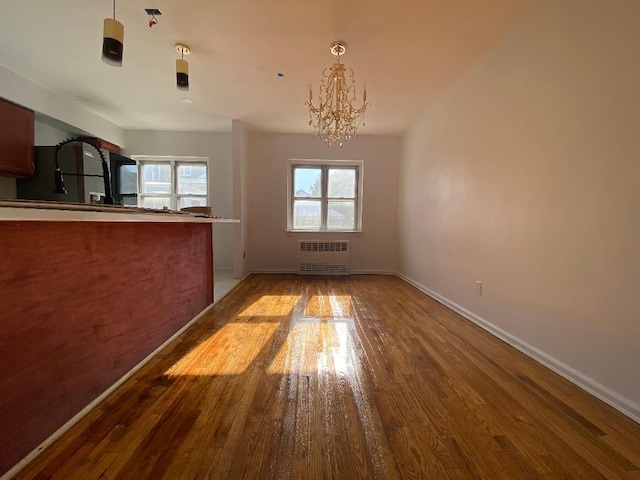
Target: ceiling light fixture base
{"points": [[182, 49], [338, 48]]}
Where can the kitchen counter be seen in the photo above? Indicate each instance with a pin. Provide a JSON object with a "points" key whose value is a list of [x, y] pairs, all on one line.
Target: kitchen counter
{"points": [[87, 293], [35, 210]]}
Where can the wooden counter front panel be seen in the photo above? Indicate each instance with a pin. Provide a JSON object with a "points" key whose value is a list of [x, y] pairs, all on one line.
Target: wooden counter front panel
{"points": [[80, 305]]}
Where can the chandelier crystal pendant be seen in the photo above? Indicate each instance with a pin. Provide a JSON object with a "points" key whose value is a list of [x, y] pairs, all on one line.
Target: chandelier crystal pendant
{"points": [[335, 119]]}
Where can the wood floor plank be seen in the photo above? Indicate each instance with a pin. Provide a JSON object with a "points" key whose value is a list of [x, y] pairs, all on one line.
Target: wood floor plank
{"points": [[342, 378]]}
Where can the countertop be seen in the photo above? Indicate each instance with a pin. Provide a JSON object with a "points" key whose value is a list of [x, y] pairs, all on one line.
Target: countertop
{"points": [[35, 210]]}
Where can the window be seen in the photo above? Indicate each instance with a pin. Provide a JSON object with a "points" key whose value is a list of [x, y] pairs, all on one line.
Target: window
{"points": [[325, 196], [174, 182]]}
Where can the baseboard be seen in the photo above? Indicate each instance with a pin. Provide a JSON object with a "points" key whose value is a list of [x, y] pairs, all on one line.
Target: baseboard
{"points": [[271, 271], [78, 416], [352, 272], [372, 272], [612, 398]]}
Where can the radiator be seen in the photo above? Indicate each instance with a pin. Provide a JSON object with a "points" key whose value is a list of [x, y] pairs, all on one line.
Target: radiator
{"points": [[323, 258]]}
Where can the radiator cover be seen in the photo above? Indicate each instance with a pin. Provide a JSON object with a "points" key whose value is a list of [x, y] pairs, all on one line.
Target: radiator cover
{"points": [[323, 257]]}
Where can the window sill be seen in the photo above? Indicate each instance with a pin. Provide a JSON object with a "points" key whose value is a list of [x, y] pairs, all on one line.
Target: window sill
{"points": [[292, 233]]}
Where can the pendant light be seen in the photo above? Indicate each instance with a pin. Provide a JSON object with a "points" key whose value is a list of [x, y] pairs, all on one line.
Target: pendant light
{"points": [[182, 67], [112, 40]]}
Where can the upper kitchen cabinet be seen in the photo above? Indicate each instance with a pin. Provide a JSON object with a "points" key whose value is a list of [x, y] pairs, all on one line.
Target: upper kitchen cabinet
{"points": [[16, 140], [102, 144]]}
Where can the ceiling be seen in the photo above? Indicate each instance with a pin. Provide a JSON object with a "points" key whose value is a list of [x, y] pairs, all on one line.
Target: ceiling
{"points": [[407, 52]]}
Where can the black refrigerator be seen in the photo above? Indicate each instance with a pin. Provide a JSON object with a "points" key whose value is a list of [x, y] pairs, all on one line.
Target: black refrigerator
{"points": [[79, 159]]}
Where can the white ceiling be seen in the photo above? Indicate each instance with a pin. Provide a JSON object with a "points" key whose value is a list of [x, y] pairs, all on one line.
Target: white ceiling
{"points": [[407, 52]]}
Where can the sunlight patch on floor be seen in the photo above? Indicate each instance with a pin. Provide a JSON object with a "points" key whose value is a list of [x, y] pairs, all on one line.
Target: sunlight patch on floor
{"points": [[329, 306], [230, 351], [271, 306], [319, 343]]}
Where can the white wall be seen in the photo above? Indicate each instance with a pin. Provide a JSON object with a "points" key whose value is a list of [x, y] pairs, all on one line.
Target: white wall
{"points": [[216, 146], [240, 140], [272, 248], [526, 176], [47, 135]]}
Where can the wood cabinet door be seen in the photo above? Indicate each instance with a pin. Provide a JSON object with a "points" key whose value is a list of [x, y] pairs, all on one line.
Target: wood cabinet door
{"points": [[16, 140]]}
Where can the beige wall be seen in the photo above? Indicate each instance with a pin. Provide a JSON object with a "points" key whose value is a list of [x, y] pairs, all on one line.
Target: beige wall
{"points": [[272, 248], [526, 176], [216, 146]]}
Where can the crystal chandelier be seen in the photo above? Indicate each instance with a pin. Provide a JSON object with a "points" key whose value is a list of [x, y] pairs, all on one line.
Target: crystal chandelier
{"points": [[336, 119]]}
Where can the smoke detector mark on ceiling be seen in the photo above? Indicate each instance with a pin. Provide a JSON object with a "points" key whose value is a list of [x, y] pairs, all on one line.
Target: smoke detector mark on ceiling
{"points": [[152, 12]]}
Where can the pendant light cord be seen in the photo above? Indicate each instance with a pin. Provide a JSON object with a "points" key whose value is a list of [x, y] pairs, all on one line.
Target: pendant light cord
{"points": [[114, 9]]}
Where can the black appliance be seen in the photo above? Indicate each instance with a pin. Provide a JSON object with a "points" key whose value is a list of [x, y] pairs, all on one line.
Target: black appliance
{"points": [[82, 169]]}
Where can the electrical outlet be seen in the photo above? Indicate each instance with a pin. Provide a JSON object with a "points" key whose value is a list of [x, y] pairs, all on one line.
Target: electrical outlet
{"points": [[478, 287]]}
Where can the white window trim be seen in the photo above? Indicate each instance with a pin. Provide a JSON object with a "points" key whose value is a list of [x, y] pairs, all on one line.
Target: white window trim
{"points": [[174, 196], [358, 164]]}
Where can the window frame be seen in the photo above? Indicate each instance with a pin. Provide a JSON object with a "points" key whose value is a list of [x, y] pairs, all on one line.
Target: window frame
{"points": [[174, 162], [325, 166]]}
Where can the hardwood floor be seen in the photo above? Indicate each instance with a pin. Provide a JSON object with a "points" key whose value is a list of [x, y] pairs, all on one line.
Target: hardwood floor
{"points": [[345, 378]]}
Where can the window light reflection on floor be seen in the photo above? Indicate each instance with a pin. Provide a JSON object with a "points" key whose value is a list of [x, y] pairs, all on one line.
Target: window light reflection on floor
{"points": [[329, 306], [271, 305], [320, 339], [247, 335], [325, 347], [246, 340]]}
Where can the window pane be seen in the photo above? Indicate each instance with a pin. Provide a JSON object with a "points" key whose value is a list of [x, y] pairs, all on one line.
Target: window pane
{"points": [[156, 178], [306, 214], [341, 215], [156, 202], [192, 178], [342, 183], [307, 182], [191, 202], [128, 179]]}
